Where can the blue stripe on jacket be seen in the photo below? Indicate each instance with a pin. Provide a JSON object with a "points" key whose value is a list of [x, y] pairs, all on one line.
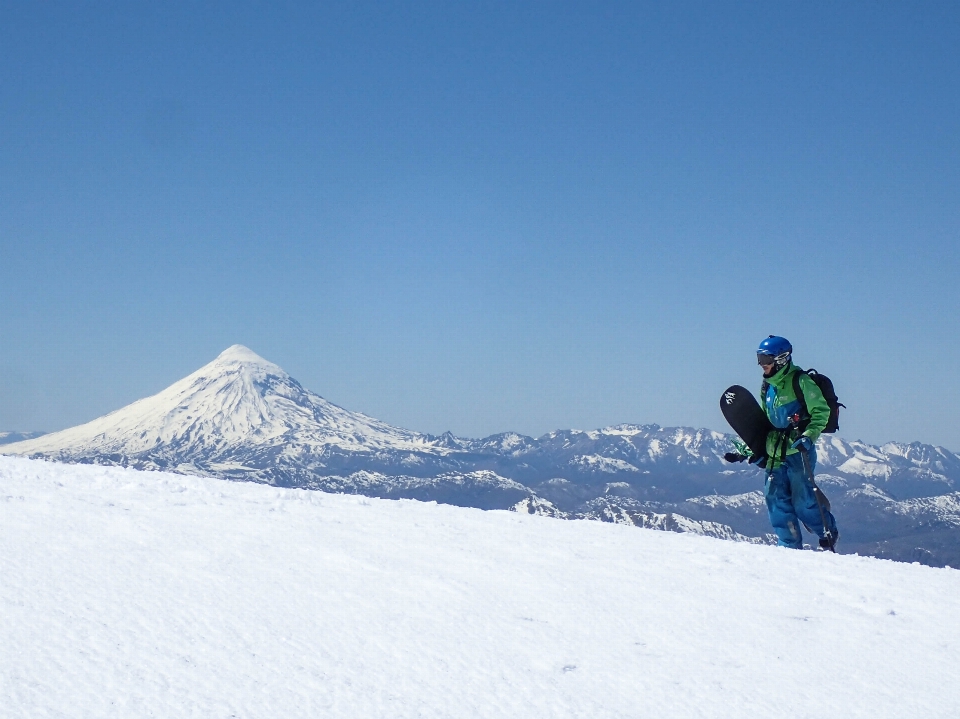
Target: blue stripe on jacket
{"points": [[779, 416]]}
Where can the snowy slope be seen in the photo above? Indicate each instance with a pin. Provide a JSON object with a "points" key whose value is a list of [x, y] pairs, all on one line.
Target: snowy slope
{"points": [[129, 594]]}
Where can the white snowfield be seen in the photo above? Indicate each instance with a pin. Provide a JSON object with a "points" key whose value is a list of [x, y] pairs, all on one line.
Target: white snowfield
{"points": [[143, 594]]}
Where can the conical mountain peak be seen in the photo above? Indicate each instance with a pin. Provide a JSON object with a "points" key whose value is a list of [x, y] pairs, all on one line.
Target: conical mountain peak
{"points": [[240, 353], [240, 410], [243, 357]]}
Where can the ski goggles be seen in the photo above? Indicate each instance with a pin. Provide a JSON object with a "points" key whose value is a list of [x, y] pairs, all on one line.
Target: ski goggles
{"points": [[765, 360]]}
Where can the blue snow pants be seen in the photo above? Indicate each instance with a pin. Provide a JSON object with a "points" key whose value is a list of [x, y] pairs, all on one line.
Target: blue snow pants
{"points": [[790, 497]]}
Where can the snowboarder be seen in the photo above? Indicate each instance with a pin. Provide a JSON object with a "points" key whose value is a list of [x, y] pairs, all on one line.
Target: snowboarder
{"points": [[791, 494]]}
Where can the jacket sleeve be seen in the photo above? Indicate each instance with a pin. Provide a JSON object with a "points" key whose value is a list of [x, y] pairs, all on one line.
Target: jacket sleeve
{"points": [[817, 407]]}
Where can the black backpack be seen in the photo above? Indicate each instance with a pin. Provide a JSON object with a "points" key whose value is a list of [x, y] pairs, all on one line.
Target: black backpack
{"points": [[829, 394]]}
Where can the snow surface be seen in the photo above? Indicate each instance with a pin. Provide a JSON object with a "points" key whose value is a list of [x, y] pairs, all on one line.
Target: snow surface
{"points": [[134, 594]]}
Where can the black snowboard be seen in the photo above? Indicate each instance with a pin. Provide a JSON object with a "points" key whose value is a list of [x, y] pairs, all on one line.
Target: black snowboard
{"points": [[741, 409]]}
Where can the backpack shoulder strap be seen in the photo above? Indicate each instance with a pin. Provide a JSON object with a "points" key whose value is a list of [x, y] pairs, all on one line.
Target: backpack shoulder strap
{"points": [[799, 393]]}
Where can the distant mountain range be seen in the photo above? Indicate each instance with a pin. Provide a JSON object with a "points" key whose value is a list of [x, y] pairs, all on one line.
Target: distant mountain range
{"points": [[11, 437], [243, 418]]}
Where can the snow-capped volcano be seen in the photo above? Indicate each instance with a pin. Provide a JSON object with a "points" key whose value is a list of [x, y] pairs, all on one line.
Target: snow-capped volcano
{"points": [[239, 412]]}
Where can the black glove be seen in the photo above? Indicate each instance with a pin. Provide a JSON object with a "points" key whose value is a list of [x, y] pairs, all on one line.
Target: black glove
{"points": [[734, 457]]}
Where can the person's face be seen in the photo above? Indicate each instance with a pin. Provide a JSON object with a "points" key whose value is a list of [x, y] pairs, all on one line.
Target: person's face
{"points": [[768, 369]]}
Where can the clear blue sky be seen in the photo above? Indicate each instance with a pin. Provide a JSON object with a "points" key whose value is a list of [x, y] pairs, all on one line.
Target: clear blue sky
{"points": [[483, 216]]}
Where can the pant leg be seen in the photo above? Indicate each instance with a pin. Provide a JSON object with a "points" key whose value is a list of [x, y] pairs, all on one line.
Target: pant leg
{"points": [[780, 508], [804, 499]]}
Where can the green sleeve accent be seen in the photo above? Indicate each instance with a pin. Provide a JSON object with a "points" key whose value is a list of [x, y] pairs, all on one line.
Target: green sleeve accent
{"points": [[741, 447], [817, 407]]}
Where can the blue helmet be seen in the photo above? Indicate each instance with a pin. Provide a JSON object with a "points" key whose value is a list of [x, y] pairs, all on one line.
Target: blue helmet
{"points": [[774, 348]]}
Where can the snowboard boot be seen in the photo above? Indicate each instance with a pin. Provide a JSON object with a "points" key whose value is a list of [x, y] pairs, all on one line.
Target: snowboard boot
{"points": [[829, 542]]}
